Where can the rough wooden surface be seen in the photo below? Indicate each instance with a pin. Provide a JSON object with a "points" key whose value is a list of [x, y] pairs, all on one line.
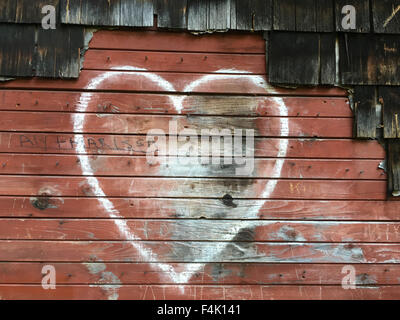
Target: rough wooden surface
{"points": [[394, 167], [27, 51], [84, 198], [301, 58], [130, 13], [389, 98], [365, 100]]}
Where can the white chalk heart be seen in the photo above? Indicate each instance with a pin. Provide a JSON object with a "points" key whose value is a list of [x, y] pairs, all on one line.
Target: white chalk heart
{"points": [[146, 253]]}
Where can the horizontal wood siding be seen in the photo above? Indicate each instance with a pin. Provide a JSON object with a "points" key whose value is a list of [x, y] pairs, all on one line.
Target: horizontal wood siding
{"points": [[78, 193]]}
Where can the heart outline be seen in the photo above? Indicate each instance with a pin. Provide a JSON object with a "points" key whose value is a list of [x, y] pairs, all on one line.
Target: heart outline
{"points": [[78, 124]]}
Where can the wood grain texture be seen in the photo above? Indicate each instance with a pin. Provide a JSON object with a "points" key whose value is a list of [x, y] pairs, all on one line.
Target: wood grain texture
{"points": [[389, 98], [200, 252], [17, 44], [130, 13], [183, 42], [59, 51], [362, 15], [140, 166], [115, 226], [171, 14], [142, 124], [210, 274], [172, 292], [394, 167], [133, 82], [195, 188], [33, 100], [27, 11], [369, 59], [301, 58], [136, 145], [174, 61], [365, 100], [385, 18], [154, 208], [252, 15], [195, 230]]}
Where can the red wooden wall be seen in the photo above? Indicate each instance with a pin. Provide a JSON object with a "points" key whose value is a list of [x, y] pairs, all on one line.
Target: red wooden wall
{"points": [[77, 192]]}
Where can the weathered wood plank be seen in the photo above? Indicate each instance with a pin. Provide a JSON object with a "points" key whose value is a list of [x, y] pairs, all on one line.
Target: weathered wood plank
{"points": [[143, 124], [389, 98], [183, 42], [294, 58], [171, 14], [170, 82], [172, 62], [385, 16], [357, 59], [284, 15], [394, 167], [200, 230], [58, 52], [31, 100], [388, 59], [136, 145], [362, 12], [198, 293], [167, 251], [139, 166], [8, 10], [324, 16], [196, 188], [327, 63], [132, 13], [17, 47], [365, 100], [253, 15], [154, 208], [218, 15], [369, 59], [28, 11], [209, 274], [306, 18], [197, 15]]}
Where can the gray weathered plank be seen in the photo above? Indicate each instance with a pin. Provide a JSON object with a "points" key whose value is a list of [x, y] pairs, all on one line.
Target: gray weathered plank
{"points": [[132, 13], [386, 16], [17, 48], [253, 15], [365, 101], [285, 15], [362, 11], [394, 167], [390, 99], [206, 15], [294, 58], [58, 52], [171, 14]]}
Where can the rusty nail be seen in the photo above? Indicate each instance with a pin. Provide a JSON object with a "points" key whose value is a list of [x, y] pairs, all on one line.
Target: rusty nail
{"points": [[108, 59], [361, 172], [145, 58], [347, 170], [181, 59]]}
